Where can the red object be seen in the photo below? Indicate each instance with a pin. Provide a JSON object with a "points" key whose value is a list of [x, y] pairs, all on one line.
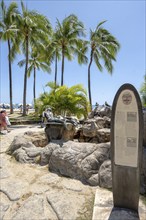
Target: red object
{"points": [[3, 120]]}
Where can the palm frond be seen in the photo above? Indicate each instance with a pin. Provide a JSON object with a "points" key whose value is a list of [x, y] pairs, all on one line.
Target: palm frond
{"points": [[3, 9], [29, 70], [23, 8], [10, 11], [97, 60], [45, 67], [21, 63], [100, 24]]}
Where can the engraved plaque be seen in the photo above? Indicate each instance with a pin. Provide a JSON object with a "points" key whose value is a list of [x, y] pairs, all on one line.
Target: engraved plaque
{"points": [[132, 116], [126, 129]]}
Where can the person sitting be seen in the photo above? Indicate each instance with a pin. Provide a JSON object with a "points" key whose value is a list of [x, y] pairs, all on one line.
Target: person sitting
{"points": [[48, 114]]}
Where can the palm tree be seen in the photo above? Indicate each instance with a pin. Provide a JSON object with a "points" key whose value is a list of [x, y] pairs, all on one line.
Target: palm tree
{"points": [[33, 28], [7, 33], [53, 53], [103, 47], [36, 62], [67, 35]]}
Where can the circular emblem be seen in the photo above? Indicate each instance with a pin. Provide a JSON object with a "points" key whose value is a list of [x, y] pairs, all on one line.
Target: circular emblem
{"points": [[127, 98]]}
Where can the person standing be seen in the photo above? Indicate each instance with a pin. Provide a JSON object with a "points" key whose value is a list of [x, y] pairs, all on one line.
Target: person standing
{"points": [[3, 121], [21, 107], [27, 108]]}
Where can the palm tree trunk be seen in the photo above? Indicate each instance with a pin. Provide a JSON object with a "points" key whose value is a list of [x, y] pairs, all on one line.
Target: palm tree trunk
{"points": [[89, 83], [55, 70], [62, 73], [34, 83], [25, 79], [10, 79]]}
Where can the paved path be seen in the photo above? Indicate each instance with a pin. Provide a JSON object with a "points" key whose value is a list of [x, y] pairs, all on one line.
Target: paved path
{"points": [[6, 140], [31, 192]]}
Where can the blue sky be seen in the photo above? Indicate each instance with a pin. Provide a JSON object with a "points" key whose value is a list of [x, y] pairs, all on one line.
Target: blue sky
{"points": [[125, 20]]}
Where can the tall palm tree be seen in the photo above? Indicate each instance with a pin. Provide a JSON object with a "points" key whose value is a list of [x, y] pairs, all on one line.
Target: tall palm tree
{"points": [[103, 47], [67, 35], [53, 52], [7, 33], [33, 28], [36, 62]]}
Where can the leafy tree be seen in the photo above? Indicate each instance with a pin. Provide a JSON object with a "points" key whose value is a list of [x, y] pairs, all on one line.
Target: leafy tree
{"points": [[34, 28], [103, 49], [143, 92], [67, 36], [65, 101], [8, 31]]}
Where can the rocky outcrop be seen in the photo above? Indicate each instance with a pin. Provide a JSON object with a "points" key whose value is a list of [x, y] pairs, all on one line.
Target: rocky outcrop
{"points": [[101, 110], [87, 162], [96, 129], [73, 159], [90, 129], [28, 140], [103, 135], [39, 139], [105, 175], [79, 160], [25, 151]]}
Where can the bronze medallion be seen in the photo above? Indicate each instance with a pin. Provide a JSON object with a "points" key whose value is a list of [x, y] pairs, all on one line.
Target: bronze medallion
{"points": [[127, 98]]}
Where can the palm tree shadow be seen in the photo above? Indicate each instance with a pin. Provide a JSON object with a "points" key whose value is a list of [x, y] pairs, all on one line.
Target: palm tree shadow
{"points": [[123, 214]]}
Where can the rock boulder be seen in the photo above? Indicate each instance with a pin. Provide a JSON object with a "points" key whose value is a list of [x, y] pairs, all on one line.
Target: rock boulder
{"points": [[79, 160]]}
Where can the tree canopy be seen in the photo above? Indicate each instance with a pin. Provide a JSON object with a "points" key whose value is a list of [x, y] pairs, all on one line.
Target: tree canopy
{"points": [[31, 33], [103, 50]]}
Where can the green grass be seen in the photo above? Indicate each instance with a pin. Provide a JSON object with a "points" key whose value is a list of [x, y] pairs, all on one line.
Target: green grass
{"points": [[17, 117]]}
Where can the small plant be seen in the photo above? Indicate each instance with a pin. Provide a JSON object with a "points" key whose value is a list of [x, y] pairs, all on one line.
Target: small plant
{"points": [[64, 101]]}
